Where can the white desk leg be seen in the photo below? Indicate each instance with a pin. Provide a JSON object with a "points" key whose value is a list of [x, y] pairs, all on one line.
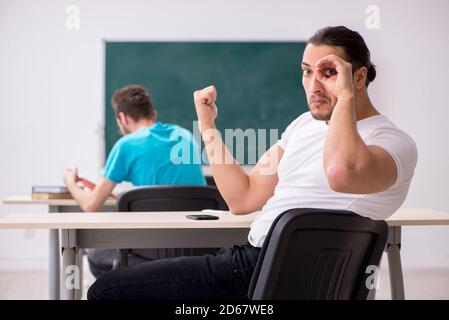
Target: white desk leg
{"points": [[70, 279], [53, 264], [68, 260], [55, 271], [394, 263], [79, 263]]}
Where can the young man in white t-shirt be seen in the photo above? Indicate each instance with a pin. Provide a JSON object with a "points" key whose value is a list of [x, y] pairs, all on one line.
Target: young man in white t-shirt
{"points": [[341, 155]]}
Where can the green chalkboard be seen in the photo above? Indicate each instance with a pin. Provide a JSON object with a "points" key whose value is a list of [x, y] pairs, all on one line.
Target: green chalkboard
{"points": [[258, 83]]}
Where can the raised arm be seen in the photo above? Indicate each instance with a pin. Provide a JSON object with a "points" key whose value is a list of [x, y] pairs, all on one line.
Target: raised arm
{"points": [[350, 165], [243, 193]]}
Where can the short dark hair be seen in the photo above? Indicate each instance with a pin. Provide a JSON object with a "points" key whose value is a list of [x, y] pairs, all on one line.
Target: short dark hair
{"points": [[134, 101], [352, 43]]}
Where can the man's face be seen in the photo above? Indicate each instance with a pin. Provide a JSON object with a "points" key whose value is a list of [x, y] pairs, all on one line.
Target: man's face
{"points": [[321, 102]]}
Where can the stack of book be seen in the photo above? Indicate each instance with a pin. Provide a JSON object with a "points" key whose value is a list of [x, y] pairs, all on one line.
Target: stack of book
{"points": [[50, 192]]}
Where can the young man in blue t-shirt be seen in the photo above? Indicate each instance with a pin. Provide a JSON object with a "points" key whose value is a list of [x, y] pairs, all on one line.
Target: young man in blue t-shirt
{"points": [[149, 153], [144, 155]]}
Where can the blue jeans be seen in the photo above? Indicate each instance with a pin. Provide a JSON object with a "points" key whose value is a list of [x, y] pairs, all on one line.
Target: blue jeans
{"points": [[225, 275]]}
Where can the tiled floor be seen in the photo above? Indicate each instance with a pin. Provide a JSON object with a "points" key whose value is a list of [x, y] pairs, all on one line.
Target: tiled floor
{"points": [[419, 284]]}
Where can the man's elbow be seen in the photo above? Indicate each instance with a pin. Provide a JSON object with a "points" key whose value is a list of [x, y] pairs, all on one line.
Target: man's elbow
{"points": [[238, 208], [339, 178], [90, 207]]}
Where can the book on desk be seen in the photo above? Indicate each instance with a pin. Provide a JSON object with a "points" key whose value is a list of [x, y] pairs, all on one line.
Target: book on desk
{"points": [[47, 192], [59, 192], [50, 192]]}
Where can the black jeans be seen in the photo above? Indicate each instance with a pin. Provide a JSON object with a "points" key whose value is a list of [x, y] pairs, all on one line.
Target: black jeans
{"points": [[225, 275], [102, 261]]}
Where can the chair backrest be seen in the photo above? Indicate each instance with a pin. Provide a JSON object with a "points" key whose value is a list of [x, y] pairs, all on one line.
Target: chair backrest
{"points": [[318, 254], [171, 198]]}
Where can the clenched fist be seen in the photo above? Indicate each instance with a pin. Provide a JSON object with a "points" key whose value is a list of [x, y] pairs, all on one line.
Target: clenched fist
{"points": [[206, 109]]}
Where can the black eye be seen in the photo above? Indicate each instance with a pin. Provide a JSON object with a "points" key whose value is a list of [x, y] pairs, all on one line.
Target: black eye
{"points": [[329, 72]]}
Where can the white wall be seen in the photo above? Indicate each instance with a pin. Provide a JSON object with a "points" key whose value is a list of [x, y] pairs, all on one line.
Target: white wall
{"points": [[51, 88]]}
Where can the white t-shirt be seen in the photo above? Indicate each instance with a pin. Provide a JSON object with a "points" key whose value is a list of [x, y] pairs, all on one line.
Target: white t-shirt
{"points": [[303, 183]]}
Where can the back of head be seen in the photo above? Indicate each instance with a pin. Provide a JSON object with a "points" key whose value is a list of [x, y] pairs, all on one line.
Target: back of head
{"points": [[134, 101], [353, 44]]}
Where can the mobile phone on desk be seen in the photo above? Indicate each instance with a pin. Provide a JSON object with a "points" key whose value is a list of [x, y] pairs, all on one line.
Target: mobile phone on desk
{"points": [[201, 217]]}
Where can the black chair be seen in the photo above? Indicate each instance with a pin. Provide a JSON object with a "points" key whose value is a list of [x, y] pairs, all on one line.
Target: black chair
{"points": [[169, 198], [314, 254]]}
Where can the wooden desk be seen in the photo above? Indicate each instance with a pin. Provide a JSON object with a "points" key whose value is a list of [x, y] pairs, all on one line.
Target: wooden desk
{"points": [[172, 229], [129, 230]]}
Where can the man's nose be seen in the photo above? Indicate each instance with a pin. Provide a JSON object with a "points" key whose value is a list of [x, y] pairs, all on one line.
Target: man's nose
{"points": [[315, 85]]}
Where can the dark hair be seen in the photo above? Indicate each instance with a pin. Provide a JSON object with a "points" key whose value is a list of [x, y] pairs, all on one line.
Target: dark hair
{"points": [[134, 101], [352, 43]]}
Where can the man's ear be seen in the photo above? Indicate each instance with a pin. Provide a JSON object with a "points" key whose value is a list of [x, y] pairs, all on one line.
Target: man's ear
{"points": [[154, 116], [123, 118], [360, 78]]}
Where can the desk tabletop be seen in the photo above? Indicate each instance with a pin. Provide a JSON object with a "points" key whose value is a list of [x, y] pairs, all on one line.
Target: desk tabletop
{"points": [[418, 217], [177, 219], [49, 202], [122, 220]]}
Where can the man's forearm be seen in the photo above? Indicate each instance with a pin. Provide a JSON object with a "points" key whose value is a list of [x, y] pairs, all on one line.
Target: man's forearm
{"points": [[231, 179], [82, 197], [344, 149]]}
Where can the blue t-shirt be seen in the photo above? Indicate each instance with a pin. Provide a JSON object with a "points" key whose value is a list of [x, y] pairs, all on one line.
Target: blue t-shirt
{"points": [[161, 154]]}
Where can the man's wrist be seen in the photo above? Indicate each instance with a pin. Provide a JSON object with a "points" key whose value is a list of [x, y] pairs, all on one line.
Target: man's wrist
{"points": [[346, 102], [345, 106], [346, 97], [203, 127], [71, 183]]}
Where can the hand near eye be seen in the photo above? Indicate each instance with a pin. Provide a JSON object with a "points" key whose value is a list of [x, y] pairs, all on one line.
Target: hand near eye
{"points": [[336, 75]]}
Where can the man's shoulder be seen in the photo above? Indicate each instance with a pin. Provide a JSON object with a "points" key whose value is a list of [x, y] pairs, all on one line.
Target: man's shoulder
{"points": [[121, 141], [382, 125], [177, 127], [385, 132], [177, 130], [127, 141]]}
